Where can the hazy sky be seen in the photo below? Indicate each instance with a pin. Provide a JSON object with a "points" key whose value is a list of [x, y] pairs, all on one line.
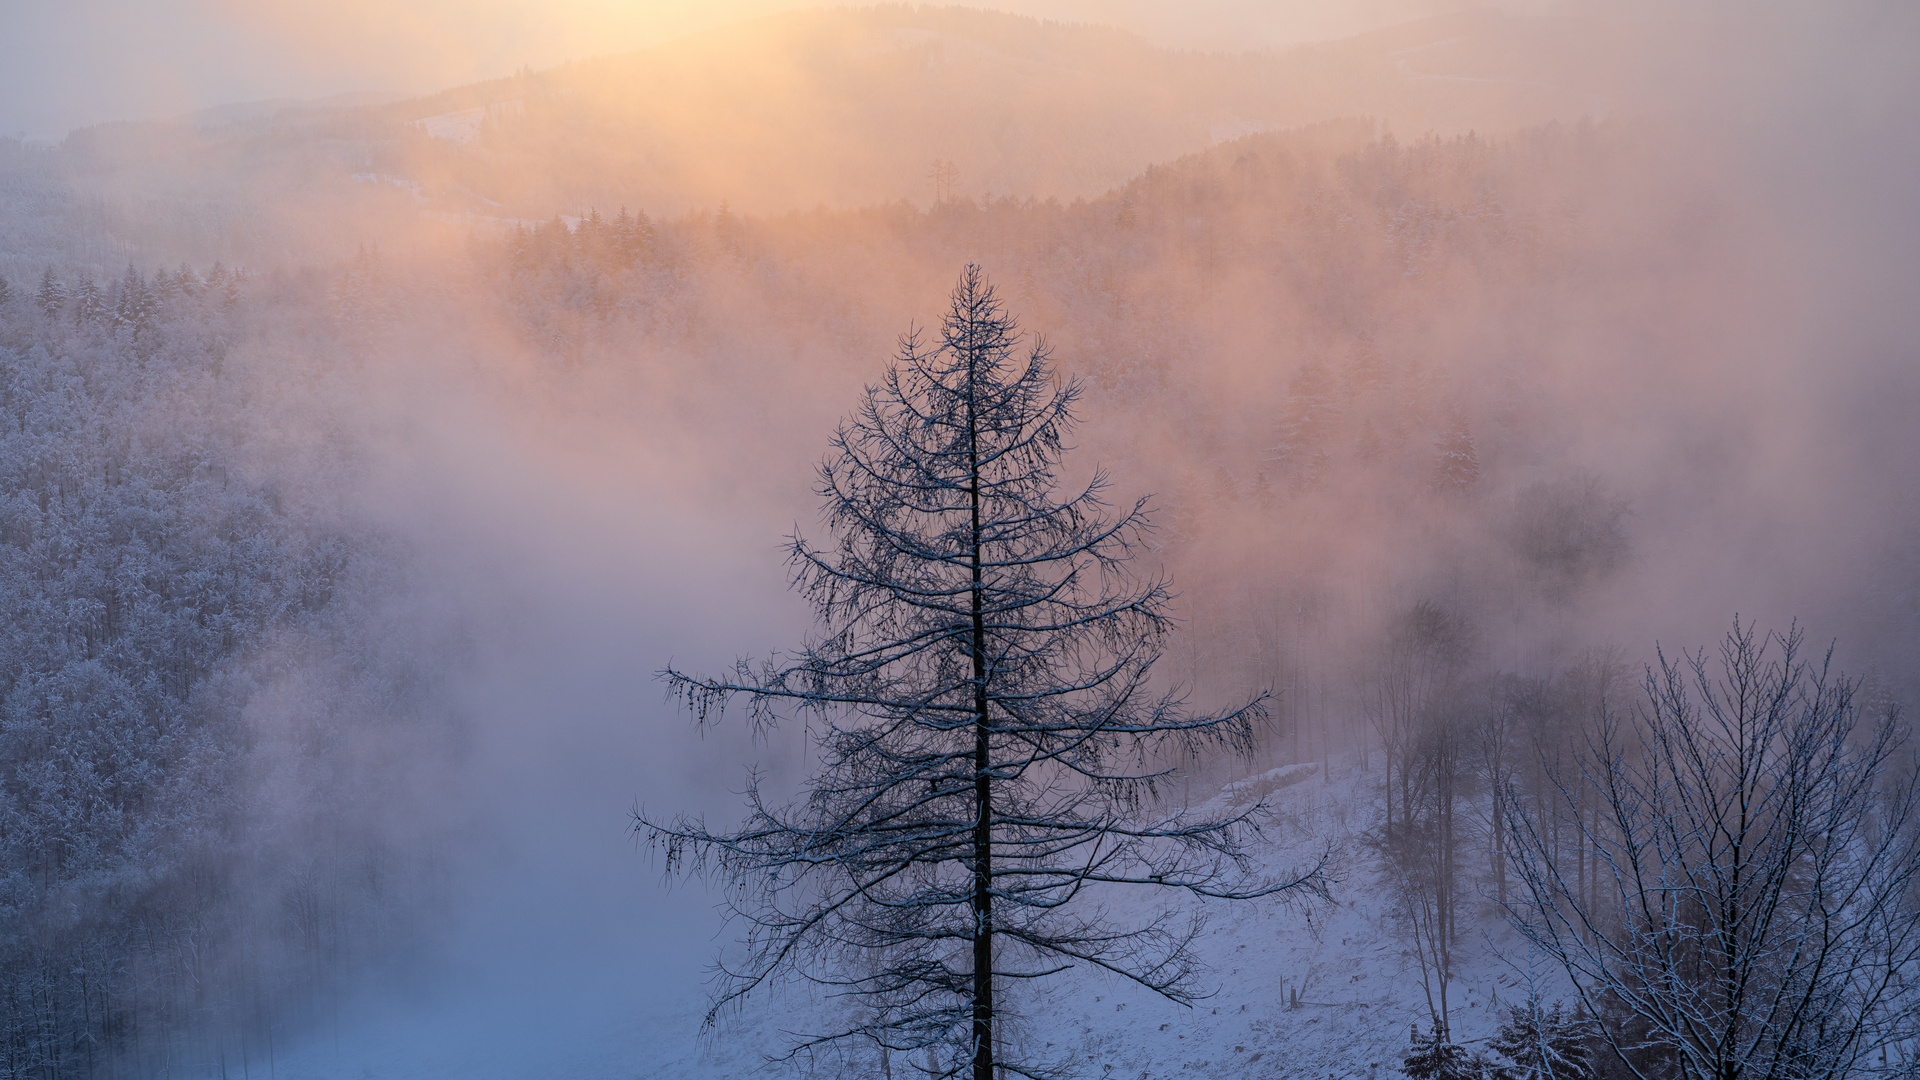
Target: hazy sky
{"points": [[83, 62]]}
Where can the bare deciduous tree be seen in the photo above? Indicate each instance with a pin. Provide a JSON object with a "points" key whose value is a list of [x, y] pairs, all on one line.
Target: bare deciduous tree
{"points": [[1422, 855], [1416, 694], [991, 746], [1400, 686], [1753, 912]]}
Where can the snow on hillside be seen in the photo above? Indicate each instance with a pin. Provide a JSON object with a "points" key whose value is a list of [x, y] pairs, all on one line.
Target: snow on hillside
{"points": [[1358, 990], [460, 126], [1327, 989]]}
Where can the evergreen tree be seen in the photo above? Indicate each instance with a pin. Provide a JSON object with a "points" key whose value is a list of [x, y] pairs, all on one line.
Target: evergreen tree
{"points": [[728, 232], [634, 236], [1306, 425], [362, 297], [89, 305], [989, 738], [1549, 1045], [590, 240], [134, 304], [1435, 1056], [52, 295], [229, 290], [224, 285], [520, 251]]}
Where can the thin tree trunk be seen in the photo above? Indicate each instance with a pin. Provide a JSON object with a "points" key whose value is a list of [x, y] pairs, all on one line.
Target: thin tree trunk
{"points": [[1580, 849], [86, 1020], [1499, 838], [1388, 766], [982, 792], [1326, 737]]}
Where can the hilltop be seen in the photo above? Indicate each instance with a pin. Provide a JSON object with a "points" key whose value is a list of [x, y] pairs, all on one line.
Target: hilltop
{"points": [[837, 108]]}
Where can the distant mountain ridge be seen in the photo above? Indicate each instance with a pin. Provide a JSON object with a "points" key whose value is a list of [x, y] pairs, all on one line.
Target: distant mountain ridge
{"points": [[851, 107], [838, 108]]}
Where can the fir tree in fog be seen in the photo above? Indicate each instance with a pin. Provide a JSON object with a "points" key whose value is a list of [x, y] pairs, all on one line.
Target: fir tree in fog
{"points": [[994, 756]]}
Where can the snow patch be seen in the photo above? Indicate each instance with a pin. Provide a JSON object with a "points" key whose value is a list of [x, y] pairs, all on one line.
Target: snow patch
{"points": [[455, 127], [384, 178], [463, 125], [1254, 788]]}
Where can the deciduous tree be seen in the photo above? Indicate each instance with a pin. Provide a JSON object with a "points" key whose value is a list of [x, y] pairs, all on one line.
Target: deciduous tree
{"points": [[1753, 912]]}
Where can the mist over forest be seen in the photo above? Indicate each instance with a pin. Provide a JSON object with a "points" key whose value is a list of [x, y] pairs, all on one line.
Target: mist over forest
{"points": [[1523, 405]]}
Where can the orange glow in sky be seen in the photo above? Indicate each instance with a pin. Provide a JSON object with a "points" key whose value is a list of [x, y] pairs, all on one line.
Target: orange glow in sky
{"points": [[89, 61]]}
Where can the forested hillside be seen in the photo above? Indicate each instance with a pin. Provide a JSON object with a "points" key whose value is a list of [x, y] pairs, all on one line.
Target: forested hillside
{"points": [[1461, 431], [1401, 363], [202, 677]]}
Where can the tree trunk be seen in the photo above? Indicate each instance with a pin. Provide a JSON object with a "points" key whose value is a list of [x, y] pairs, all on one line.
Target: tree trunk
{"points": [[1499, 851], [983, 797], [1388, 766]]}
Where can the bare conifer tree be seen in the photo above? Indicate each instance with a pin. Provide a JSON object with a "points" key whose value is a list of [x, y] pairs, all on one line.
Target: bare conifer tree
{"points": [[1755, 911], [992, 744]]}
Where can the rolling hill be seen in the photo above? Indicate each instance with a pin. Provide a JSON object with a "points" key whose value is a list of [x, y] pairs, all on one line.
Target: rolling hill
{"points": [[837, 108]]}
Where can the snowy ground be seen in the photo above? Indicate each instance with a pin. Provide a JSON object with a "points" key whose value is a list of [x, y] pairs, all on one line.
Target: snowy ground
{"points": [[589, 1008], [1359, 990]]}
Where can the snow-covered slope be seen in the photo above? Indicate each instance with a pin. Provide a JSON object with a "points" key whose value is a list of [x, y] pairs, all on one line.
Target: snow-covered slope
{"points": [[1300, 990]]}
